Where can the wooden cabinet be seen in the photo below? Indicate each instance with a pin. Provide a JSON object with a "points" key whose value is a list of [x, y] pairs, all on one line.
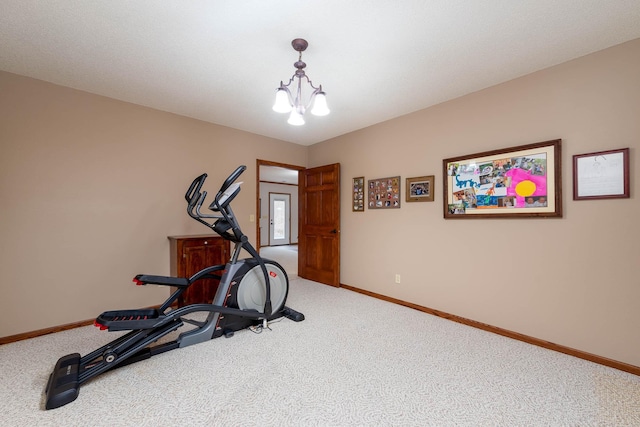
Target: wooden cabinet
{"points": [[190, 254]]}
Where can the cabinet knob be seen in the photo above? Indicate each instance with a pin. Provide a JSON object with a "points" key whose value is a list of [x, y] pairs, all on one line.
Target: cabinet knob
{"points": [[205, 242]]}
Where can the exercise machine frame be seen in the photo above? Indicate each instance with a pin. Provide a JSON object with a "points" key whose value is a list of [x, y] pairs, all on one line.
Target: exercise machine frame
{"points": [[225, 313]]}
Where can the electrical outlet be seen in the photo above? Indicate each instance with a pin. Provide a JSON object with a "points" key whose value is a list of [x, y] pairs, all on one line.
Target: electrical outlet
{"points": [[397, 278]]}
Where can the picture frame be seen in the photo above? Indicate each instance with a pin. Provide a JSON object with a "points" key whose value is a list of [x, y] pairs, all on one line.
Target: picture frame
{"points": [[601, 175], [523, 181], [420, 189], [357, 194], [384, 193]]}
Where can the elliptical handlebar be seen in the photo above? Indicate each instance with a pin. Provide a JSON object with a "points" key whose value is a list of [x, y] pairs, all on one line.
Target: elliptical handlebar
{"points": [[227, 192], [195, 197], [231, 179], [193, 193]]}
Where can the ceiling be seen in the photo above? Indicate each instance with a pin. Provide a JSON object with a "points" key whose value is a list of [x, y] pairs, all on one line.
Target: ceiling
{"points": [[276, 174], [221, 61]]}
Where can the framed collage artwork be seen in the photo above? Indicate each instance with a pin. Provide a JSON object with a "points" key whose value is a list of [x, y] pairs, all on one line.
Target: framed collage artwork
{"points": [[517, 182], [384, 193]]}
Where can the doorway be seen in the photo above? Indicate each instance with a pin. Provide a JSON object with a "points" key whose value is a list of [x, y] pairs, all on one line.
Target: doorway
{"points": [[317, 212], [277, 188]]}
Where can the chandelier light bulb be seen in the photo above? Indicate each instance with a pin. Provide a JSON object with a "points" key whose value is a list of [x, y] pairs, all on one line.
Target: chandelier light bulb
{"points": [[296, 118], [282, 104], [320, 107]]}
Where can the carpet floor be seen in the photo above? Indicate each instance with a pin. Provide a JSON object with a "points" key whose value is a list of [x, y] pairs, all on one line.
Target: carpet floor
{"points": [[354, 361]]}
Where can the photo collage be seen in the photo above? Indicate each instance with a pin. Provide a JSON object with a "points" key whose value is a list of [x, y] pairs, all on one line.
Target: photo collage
{"points": [[384, 193], [509, 183]]}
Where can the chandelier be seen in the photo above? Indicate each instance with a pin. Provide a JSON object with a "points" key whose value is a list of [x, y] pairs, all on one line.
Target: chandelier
{"points": [[285, 101]]}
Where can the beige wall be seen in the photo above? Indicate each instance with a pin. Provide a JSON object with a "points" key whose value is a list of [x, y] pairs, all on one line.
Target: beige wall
{"points": [[572, 281], [91, 187]]}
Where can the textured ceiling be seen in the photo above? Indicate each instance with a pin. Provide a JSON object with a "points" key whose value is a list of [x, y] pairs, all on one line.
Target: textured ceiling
{"points": [[221, 61], [276, 174]]}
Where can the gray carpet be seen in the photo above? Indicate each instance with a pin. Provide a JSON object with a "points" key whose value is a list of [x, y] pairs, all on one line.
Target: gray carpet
{"points": [[355, 361]]}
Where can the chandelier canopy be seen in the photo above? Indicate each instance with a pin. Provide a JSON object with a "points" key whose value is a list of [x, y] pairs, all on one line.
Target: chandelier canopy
{"points": [[285, 100]]}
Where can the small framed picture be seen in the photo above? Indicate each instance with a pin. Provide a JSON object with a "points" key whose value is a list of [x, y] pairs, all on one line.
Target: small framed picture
{"points": [[420, 189], [601, 175], [357, 193]]}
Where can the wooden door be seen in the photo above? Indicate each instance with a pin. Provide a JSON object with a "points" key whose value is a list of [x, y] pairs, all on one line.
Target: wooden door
{"points": [[319, 224]]}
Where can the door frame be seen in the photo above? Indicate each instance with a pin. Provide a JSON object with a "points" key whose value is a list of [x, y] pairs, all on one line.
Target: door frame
{"points": [[259, 163]]}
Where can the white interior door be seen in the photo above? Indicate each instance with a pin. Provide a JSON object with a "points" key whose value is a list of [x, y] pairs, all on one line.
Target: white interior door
{"points": [[279, 219]]}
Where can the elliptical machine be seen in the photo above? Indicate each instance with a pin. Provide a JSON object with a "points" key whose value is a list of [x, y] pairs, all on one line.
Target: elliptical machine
{"points": [[251, 292]]}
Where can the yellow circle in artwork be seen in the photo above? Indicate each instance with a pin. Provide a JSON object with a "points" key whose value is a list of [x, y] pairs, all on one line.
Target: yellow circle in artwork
{"points": [[525, 188]]}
